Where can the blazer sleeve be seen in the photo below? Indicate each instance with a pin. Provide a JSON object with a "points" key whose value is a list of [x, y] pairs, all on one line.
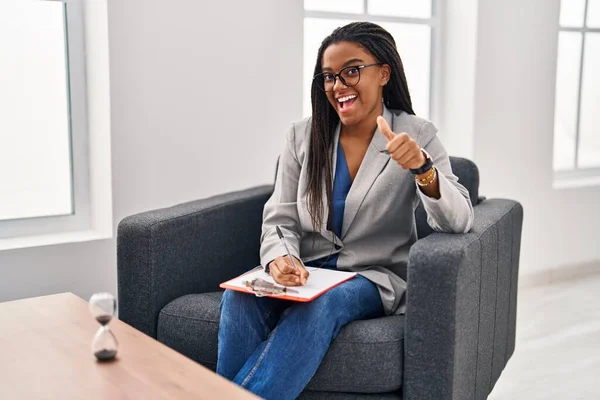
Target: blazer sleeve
{"points": [[281, 208], [453, 211]]}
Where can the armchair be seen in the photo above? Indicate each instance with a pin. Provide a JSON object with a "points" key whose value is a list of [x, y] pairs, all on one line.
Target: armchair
{"points": [[453, 342]]}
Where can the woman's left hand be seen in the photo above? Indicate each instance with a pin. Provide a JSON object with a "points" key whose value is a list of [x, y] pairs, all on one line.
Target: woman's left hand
{"points": [[401, 147]]}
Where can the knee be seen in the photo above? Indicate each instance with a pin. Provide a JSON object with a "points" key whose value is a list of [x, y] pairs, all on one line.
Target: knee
{"points": [[241, 305], [329, 299], [335, 299], [325, 309], [232, 300], [229, 296], [338, 305]]}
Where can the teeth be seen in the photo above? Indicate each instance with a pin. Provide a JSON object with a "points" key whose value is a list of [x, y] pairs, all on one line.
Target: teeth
{"points": [[346, 98]]}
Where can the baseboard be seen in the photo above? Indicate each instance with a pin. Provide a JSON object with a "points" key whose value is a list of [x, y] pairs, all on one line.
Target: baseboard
{"points": [[559, 274]]}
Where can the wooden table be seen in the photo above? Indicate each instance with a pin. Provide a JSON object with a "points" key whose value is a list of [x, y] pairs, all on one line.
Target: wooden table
{"points": [[45, 353]]}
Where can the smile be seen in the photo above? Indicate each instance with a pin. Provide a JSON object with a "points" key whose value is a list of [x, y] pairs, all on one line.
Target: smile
{"points": [[346, 102]]}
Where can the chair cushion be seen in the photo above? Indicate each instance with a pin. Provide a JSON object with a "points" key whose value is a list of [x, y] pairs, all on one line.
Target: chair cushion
{"points": [[468, 176], [366, 356], [189, 324]]}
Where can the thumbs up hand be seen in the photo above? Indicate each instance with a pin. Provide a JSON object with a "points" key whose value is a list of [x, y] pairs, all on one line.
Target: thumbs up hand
{"points": [[401, 147]]}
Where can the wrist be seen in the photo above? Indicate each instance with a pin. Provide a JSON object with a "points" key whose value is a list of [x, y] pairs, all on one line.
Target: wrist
{"points": [[425, 167], [267, 269], [428, 178], [423, 177]]}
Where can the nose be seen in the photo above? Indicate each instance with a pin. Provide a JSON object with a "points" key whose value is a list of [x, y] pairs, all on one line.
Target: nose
{"points": [[338, 79]]}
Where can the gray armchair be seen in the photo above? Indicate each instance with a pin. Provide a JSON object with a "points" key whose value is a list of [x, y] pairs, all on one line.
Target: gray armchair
{"points": [[454, 341]]}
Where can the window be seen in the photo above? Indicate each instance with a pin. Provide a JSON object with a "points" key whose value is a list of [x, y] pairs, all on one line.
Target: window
{"points": [[35, 155], [413, 23], [577, 104], [46, 144]]}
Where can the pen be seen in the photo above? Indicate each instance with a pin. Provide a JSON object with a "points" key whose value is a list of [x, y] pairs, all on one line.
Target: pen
{"points": [[285, 244]]}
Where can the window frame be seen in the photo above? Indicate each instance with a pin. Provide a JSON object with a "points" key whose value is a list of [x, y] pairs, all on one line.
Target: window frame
{"points": [[576, 176], [91, 216]]}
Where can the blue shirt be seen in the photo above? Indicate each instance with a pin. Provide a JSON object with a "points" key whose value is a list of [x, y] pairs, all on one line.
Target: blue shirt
{"points": [[341, 186]]}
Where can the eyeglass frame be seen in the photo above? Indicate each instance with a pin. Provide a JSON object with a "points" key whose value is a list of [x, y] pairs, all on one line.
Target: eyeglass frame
{"points": [[339, 76]]}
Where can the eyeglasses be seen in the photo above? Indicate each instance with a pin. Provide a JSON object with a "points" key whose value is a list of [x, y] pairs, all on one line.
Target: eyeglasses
{"points": [[349, 76]]}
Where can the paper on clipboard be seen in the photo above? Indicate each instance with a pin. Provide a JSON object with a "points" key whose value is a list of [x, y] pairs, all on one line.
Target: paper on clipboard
{"points": [[319, 281]]}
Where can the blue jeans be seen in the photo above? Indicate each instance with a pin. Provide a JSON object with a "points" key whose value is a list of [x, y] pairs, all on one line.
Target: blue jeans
{"points": [[273, 347]]}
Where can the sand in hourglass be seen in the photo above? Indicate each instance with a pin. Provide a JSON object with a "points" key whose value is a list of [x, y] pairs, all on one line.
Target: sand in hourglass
{"points": [[103, 319], [105, 354]]}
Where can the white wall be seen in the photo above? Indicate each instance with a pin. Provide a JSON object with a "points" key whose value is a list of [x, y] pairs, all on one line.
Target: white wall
{"points": [[459, 51], [201, 97], [512, 132]]}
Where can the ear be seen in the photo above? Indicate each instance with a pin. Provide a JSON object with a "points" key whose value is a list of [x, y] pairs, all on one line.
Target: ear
{"points": [[386, 73]]}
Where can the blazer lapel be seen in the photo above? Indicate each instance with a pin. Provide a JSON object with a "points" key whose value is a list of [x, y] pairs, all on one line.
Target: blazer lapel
{"points": [[371, 166]]}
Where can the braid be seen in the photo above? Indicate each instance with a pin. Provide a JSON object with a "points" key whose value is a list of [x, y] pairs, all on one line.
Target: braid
{"points": [[381, 45]]}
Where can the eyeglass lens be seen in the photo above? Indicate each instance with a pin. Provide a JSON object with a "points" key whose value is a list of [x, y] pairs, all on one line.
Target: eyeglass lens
{"points": [[349, 76]]}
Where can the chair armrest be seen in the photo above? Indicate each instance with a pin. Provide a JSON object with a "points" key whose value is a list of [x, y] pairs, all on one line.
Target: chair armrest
{"points": [[461, 306], [188, 248]]}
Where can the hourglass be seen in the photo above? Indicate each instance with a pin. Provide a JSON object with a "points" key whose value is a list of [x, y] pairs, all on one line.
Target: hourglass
{"points": [[103, 306]]}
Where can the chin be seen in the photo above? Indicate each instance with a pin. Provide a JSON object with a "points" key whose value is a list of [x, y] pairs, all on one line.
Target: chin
{"points": [[349, 120]]}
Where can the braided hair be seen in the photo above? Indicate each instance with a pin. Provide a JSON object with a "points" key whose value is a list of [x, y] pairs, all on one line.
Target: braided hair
{"points": [[381, 45]]}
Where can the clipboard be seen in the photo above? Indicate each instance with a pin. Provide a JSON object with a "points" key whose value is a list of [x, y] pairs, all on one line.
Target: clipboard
{"points": [[319, 281]]}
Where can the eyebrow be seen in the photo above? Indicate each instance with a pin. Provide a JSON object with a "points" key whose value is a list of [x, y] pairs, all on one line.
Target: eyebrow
{"points": [[353, 61]]}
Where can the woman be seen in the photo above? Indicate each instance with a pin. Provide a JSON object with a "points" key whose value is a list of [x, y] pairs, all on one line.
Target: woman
{"points": [[348, 182]]}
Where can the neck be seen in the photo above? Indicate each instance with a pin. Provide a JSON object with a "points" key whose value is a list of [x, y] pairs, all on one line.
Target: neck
{"points": [[366, 127]]}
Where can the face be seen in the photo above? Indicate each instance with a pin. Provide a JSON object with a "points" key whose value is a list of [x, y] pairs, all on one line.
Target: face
{"points": [[355, 104]]}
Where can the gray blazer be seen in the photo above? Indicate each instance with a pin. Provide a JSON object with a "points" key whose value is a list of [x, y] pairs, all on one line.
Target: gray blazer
{"points": [[379, 221]]}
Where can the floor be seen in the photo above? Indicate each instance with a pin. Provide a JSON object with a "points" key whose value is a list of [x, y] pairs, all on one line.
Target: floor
{"points": [[557, 354]]}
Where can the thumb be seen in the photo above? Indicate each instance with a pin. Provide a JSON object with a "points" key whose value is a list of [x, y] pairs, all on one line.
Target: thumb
{"points": [[385, 128], [303, 272]]}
